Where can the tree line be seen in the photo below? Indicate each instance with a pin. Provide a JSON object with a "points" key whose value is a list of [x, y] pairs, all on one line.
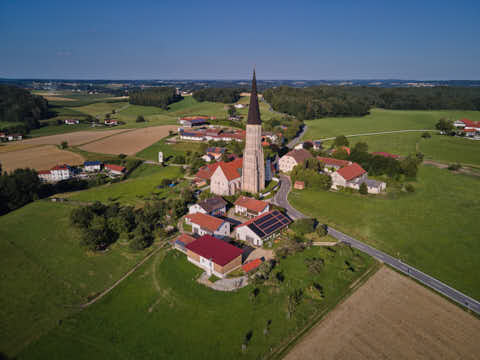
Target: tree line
{"points": [[20, 106], [224, 95], [158, 96], [331, 101]]}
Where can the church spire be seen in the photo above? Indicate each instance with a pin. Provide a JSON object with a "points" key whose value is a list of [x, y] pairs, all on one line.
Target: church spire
{"points": [[253, 110]]}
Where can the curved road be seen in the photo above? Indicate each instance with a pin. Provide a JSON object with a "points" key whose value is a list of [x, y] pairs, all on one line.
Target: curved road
{"points": [[281, 199]]}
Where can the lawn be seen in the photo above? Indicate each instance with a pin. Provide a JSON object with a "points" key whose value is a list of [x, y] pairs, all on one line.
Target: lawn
{"points": [[169, 150], [131, 191], [382, 120], [165, 313], [46, 273], [433, 229], [101, 108]]}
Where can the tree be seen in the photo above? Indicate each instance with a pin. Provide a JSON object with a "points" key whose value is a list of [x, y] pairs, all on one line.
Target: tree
{"points": [[426, 135], [341, 140], [140, 119], [409, 188], [363, 189], [64, 145], [231, 110], [107, 116], [445, 126], [361, 147]]}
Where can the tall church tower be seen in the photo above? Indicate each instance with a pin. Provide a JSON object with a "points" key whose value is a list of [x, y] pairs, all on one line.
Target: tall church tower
{"points": [[253, 172]]}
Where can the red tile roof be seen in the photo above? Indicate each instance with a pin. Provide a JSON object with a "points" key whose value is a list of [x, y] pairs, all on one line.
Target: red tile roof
{"points": [[469, 130], [300, 155], [186, 239], [470, 123], [251, 265], [251, 204], [232, 169], [60, 167], [206, 172], [351, 171], [385, 154], [115, 167], [218, 251], [333, 161], [43, 172], [205, 221]]}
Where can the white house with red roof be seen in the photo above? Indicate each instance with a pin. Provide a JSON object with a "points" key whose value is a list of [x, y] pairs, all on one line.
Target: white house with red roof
{"points": [[468, 127], [332, 164], [45, 175], [61, 172], [213, 255], [227, 177], [204, 224], [115, 169], [352, 176], [250, 207]]}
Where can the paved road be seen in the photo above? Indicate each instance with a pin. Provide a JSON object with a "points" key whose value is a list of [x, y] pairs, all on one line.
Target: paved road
{"points": [[380, 133], [297, 138], [280, 199]]}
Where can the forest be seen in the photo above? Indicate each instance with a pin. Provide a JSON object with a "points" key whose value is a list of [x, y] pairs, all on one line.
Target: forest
{"points": [[18, 105], [158, 96], [223, 95], [332, 101]]}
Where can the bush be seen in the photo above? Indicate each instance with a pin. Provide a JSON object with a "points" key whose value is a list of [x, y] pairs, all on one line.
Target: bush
{"points": [[122, 156], [303, 226], [454, 167], [426, 135], [410, 188], [140, 119], [322, 230], [64, 145], [363, 189]]}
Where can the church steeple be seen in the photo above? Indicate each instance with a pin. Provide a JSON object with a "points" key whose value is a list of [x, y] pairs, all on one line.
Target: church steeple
{"points": [[254, 110]]}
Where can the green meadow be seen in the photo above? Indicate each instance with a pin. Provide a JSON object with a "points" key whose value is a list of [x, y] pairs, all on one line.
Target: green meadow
{"points": [[169, 150], [162, 312], [382, 120], [46, 274], [433, 229], [132, 191]]}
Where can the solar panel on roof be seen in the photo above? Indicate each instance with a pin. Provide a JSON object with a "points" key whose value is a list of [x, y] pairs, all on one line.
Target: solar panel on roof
{"points": [[285, 221], [266, 224], [265, 218], [273, 227], [256, 230]]}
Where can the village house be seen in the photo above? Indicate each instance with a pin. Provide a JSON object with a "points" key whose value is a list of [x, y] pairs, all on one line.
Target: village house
{"points": [[182, 241], [216, 152], [293, 158], [111, 122], [204, 224], [14, 137], [332, 164], [115, 169], [270, 136], [227, 177], [61, 172], [71, 121], [92, 166], [212, 206], [352, 176], [213, 255], [262, 228], [249, 207], [45, 175]]}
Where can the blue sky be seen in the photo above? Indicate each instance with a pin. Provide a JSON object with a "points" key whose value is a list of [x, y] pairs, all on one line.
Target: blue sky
{"points": [[166, 39]]}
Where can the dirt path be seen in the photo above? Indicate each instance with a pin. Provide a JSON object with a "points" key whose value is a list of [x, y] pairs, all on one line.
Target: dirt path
{"points": [[392, 317], [463, 170], [381, 133]]}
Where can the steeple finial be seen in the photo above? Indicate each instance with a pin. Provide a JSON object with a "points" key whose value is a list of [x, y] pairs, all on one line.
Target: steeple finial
{"points": [[254, 110]]}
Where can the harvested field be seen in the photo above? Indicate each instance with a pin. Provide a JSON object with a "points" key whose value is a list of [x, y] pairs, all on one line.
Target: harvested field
{"points": [[129, 142], [74, 138], [392, 317], [41, 158], [57, 98]]}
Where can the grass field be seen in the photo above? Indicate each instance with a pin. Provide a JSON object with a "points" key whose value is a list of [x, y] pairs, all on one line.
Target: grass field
{"points": [[45, 272], [166, 314], [433, 229], [382, 120], [133, 191], [180, 148]]}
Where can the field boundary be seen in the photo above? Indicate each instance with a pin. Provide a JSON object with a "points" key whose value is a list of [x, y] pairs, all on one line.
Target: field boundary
{"points": [[382, 133], [280, 352]]}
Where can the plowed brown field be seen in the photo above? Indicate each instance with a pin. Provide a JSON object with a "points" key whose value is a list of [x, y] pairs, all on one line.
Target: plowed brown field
{"points": [[392, 317], [129, 142], [40, 158]]}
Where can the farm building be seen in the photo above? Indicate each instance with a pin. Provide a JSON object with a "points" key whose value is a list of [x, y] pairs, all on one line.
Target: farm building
{"points": [[71, 121], [14, 137], [91, 166], [227, 177], [191, 121], [115, 169], [212, 206], [332, 164], [249, 207], [352, 176], [204, 224], [45, 175], [288, 161], [215, 256], [262, 228]]}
